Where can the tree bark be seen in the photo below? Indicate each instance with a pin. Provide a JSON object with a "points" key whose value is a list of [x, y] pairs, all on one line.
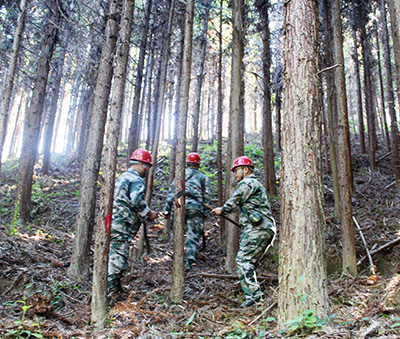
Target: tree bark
{"points": [[134, 130], [158, 114], [223, 230], [236, 135], [179, 62], [331, 106], [59, 109], [9, 81], [151, 86], [34, 115], [390, 97], [87, 202], [343, 146], [367, 62], [17, 127], [161, 99], [72, 116], [268, 142], [394, 9], [49, 124], [87, 98], [200, 78], [178, 274], [302, 266], [358, 89], [278, 106], [384, 124], [146, 97], [102, 241]]}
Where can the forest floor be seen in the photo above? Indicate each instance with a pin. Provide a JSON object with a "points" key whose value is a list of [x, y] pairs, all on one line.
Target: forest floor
{"points": [[38, 300]]}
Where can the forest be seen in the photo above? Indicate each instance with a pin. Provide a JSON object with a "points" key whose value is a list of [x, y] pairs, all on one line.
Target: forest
{"points": [[307, 90]]}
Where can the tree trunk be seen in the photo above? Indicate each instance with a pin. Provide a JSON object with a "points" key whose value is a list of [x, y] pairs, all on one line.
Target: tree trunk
{"points": [[161, 99], [71, 116], [154, 108], [34, 114], [268, 142], [394, 8], [85, 105], [200, 78], [343, 147], [360, 113], [134, 130], [390, 98], [179, 62], [278, 109], [366, 57], [87, 202], [384, 124], [332, 110], [235, 121], [17, 126], [302, 266], [223, 230], [178, 274], [9, 81], [170, 116], [59, 110], [102, 243], [146, 96], [49, 124], [150, 88], [158, 114], [87, 98]]}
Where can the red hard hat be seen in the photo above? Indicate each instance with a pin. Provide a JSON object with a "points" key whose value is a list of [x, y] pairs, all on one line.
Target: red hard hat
{"points": [[242, 161], [142, 155], [193, 158]]}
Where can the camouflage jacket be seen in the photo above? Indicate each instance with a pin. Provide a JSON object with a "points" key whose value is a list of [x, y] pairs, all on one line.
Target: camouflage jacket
{"points": [[198, 185], [250, 195], [129, 197]]}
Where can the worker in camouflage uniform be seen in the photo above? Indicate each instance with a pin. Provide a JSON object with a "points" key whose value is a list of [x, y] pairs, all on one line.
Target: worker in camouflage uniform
{"points": [[129, 209], [257, 226], [198, 188]]}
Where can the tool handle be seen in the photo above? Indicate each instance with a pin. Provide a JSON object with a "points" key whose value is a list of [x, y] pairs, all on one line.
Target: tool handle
{"points": [[222, 216]]}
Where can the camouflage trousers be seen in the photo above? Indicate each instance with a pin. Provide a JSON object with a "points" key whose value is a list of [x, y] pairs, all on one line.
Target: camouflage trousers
{"points": [[194, 232], [254, 241], [122, 234]]}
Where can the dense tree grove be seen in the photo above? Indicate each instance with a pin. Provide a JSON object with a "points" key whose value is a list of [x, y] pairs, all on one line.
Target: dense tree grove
{"points": [[96, 79]]}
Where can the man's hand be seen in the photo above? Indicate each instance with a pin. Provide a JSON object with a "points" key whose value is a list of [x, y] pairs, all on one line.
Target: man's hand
{"points": [[217, 211], [152, 215]]}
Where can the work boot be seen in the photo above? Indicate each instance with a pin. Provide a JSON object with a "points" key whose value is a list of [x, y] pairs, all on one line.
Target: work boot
{"points": [[250, 301], [113, 288]]}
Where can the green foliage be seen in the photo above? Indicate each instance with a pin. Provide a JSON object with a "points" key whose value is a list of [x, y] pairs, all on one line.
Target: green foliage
{"points": [[58, 289], [240, 332], [278, 161], [190, 319], [10, 169], [20, 331], [396, 324], [16, 221], [76, 193], [305, 323], [38, 196]]}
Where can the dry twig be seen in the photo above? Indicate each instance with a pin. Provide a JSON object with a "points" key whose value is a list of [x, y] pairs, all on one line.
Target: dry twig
{"points": [[262, 313], [388, 245], [366, 247]]}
